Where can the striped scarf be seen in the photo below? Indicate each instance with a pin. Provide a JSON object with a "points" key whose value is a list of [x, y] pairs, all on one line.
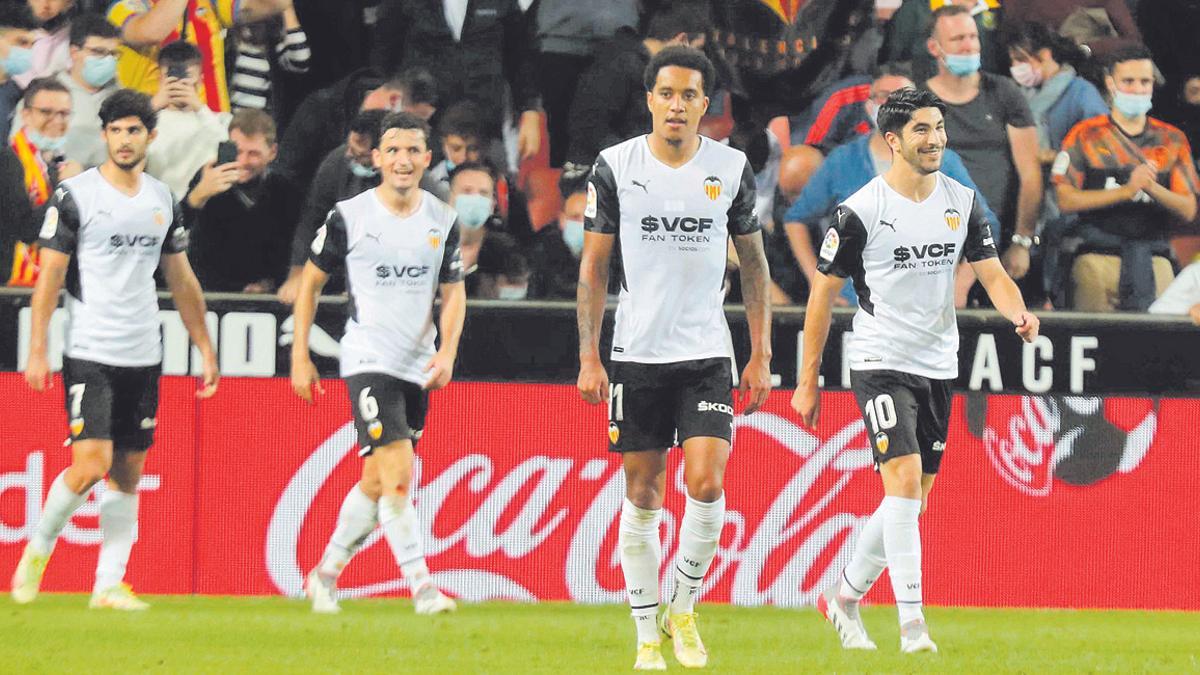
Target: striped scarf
{"points": [[37, 185]]}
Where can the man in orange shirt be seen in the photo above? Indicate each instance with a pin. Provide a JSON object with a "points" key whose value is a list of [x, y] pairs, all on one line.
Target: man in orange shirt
{"points": [[147, 25]]}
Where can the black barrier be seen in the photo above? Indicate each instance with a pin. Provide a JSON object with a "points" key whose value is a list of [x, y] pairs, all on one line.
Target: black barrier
{"points": [[536, 342]]}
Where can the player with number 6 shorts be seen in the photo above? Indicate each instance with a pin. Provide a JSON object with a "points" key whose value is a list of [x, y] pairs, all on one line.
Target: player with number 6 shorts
{"points": [[670, 201], [105, 234], [399, 248], [901, 238]]}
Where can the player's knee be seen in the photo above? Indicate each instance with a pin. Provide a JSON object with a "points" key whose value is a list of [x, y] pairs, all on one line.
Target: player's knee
{"points": [[371, 487], [643, 494], [90, 470], [707, 488]]}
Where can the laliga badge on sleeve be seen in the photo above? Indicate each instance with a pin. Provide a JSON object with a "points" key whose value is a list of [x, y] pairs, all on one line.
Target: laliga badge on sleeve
{"points": [[590, 209], [829, 246]]}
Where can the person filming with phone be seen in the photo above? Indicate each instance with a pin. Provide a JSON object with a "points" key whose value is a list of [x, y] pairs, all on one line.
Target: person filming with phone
{"points": [[240, 212], [188, 131]]}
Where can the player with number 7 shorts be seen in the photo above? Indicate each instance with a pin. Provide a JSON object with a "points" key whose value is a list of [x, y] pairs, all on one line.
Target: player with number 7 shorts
{"points": [[398, 246], [900, 238]]}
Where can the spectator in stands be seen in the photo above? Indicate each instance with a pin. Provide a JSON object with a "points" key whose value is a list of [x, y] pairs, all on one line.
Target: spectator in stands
{"points": [[836, 116], [17, 227], [554, 255], [51, 54], [146, 25], [91, 79], [847, 169], [988, 123], [476, 51], [569, 35], [1102, 26], [348, 170], [1169, 28], [502, 272], [241, 214], [1182, 297], [461, 130], [322, 120], [1042, 64], [1127, 175], [16, 57], [909, 28], [473, 196], [188, 131], [264, 49], [610, 99]]}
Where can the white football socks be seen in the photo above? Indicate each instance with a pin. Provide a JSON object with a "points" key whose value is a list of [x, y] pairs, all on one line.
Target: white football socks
{"points": [[699, 532], [868, 560], [641, 554], [61, 504], [902, 543], [356, 520], [118, 523], [402, 530]]}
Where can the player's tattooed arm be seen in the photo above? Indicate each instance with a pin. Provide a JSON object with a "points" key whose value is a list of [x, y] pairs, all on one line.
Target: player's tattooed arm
{"points": [[591, 295], [756, 294]]}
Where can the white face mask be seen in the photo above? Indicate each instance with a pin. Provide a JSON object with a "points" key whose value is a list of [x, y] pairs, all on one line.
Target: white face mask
{"points": [[1026, 75]]}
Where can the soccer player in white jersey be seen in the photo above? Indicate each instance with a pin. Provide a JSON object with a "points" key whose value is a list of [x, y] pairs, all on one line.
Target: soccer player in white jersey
{"points": [[670, 200], [899, 238], [105, 233], [399, 248]]}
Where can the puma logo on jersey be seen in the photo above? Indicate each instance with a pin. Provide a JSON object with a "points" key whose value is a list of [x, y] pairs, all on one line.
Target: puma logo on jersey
{"points": [[641, 185], [372, 235], [887, 224]]}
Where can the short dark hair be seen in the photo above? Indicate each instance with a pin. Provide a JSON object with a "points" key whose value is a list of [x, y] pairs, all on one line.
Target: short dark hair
{"points": [[892, 69], [179, 52], [949, 9], [41, 84], [403, 120], [366, 123], [669, 20], [503, 256], [128, 103], [89, 25], [683, 57], [254, 122], [462, 119], [418, 85], [15, 16], [1130, 53], [900, 106], [482, 167]]}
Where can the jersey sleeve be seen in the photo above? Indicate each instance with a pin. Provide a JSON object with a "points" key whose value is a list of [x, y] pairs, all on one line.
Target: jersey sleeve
{"points": [[743, 217], [121, 11], [60, 226], [979, 244], [177, 234], [603, 213], [1071, 163], [842, 248], [1183, 174], [328, 250], [452, 267], [227, 11]]}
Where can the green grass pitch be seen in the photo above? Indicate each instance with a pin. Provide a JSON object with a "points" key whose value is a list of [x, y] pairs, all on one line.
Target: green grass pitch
{"points": [[269, 635]]}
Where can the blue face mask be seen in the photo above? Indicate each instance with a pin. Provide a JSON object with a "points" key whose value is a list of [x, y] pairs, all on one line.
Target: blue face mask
{"points": [[99, 70], [18, 61], [962, 64], [473, 210], [450, 166], [1132, 105], [363, 171], [572, 234], [42, 142], [512, 292]]}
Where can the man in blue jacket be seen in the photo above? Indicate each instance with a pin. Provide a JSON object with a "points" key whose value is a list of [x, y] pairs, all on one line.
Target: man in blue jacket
{"points": [[849, 167]]}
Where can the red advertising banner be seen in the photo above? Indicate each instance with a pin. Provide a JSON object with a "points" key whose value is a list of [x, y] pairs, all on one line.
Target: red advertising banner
{"points": [[1043, 501]]}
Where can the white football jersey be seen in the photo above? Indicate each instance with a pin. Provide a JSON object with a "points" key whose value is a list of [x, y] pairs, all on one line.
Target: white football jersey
{"points": [[394, 267], [115, 242], [902, 255], [672, 227]]}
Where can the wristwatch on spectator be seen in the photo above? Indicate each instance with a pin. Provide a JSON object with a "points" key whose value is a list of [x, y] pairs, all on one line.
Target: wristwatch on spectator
{"points": [[1026, 242]]}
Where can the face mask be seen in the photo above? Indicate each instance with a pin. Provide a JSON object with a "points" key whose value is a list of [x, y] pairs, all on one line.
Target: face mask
{"points": [[962, 64], [511, 292], [363, 171], [572, 234], [1132, 105], [473, 210], [450, 166], [44, 143], [99, 70], [18, 61], [1026, 75]]}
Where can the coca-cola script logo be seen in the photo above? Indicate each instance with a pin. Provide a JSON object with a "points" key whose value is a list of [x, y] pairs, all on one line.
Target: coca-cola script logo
{"points": [[1067, 437]]}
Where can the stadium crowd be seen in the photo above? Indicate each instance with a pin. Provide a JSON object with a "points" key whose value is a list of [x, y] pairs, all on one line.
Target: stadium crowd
{"points": [[269, 110]]}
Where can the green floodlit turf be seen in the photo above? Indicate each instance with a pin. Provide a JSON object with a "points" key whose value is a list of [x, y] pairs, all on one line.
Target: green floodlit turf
{"points": [[268, 635]]}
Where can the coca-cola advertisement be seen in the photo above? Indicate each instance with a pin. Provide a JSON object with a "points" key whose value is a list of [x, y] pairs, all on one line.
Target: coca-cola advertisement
{"points": [[1042, 501]]}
